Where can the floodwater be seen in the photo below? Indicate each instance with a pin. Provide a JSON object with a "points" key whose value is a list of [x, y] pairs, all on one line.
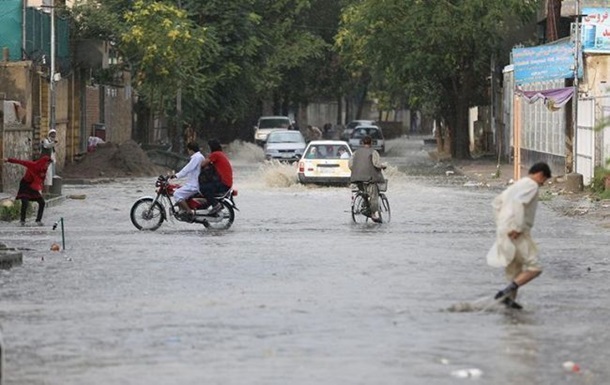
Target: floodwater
{"points": [[294, 293]]}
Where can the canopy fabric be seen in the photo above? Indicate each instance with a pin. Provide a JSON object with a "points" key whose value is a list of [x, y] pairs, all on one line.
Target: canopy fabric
{"points": [[553, 99]]}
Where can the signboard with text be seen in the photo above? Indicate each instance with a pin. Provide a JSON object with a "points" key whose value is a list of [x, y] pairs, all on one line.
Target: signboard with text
{"points": [[595, 30], [543, 63]]}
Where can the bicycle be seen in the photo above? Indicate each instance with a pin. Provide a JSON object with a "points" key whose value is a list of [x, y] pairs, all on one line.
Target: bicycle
{"points": [[361, 211]]}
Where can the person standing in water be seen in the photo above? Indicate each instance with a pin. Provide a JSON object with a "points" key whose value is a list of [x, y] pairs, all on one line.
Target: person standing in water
{"points": [[30, 186], [514, 248]]}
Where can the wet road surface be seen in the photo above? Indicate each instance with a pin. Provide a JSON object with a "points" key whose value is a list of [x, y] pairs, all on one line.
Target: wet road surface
{"points": [[294, 293]]}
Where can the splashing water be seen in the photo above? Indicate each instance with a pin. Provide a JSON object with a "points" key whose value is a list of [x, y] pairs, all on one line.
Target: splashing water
{"points": [[277, 174], [245, 152]]}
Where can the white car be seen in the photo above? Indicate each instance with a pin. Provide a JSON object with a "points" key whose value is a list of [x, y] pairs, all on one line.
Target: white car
{"points": [[347, 132], [285, 145], [378, 142], [325, 162], [268, 124]]}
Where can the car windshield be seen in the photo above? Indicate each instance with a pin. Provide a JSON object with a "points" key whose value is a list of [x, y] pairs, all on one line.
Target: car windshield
{"points": [[373, 132], [357, 123], [331, 151], [286, 137], [274, 123]]}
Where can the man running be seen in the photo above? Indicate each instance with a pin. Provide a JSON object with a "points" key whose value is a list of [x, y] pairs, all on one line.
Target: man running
{"points": [[514, 249]]}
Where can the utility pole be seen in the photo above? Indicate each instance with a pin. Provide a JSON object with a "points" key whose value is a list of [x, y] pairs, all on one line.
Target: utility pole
{"points": [[575, 96], [52, 126], [178, 111], [52, 70]]}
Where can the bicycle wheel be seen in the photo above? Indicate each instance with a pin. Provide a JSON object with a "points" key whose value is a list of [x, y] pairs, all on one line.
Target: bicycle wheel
{"points": [[147, 216], [360, 208], [222, 220], [384, 209]]}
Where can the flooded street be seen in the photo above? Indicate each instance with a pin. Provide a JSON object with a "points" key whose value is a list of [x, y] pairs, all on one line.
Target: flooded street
{"points": [[295, 293]]}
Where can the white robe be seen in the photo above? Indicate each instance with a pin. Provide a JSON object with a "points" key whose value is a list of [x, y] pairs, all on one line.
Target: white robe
{"points": [[48, 143], [514, 210]]}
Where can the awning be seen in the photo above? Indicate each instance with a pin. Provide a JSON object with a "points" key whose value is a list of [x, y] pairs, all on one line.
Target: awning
{"points": [[553, 99]]}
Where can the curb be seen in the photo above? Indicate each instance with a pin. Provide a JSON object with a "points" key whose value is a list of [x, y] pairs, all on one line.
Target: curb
{"points": [[77, 181], [54, 201]]}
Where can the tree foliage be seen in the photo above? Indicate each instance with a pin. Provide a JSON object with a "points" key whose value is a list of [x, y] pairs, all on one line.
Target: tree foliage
{"points": [[165, 48], [227, 56], [438, 52], [260, 45]]}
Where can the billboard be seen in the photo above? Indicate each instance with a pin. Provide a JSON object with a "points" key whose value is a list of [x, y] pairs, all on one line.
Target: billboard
{"points": [[595, 30], [544, 63]]}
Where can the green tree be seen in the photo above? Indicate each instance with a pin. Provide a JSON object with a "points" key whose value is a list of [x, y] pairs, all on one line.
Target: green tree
{"points": [[165, 49], [261, 44], [438, 51], [253, 51]]}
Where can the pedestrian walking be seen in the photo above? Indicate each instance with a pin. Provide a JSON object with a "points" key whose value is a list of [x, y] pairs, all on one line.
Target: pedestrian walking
{"points": [[48, 148], [30, 186], [313, 133], [514, 248]]}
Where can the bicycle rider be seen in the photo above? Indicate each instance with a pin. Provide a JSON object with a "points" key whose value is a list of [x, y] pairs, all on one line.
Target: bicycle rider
{"points": [[366, 168]]}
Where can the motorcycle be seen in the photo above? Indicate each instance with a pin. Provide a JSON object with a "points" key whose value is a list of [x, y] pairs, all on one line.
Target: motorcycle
{"points": [[149, 213]]}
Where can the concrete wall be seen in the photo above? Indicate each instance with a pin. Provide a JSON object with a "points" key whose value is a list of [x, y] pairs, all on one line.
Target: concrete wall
{"points": [[596, 85], [15, 142], [62, 120], [15, 84], [118, 116], [91, 109], [115, 116]]}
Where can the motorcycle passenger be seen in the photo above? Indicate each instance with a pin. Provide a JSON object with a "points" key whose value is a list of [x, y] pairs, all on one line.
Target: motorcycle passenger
{"points": [[366, 167], [223, 183], [191, 172]]}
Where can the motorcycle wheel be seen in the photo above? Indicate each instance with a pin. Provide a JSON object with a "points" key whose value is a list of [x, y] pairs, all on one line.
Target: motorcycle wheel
{"points": [[147, 216], [222, 220]]}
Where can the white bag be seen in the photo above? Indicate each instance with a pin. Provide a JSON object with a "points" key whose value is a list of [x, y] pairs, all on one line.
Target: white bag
{"points": [[501, 253]]}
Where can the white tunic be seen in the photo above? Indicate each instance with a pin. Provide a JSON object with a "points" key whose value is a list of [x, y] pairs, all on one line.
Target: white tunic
{"points": [[514, 210], [191, 173]]}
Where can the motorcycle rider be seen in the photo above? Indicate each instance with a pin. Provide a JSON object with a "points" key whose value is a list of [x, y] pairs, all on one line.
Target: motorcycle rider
{"points": [[222, 165], [191, 172]]}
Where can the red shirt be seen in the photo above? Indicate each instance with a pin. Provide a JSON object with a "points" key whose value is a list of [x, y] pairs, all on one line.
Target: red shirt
{"points": [[223, 167], [35, 171]]}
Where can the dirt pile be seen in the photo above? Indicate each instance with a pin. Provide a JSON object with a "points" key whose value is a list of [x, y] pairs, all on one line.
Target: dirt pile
{"points": [[110, 160]]}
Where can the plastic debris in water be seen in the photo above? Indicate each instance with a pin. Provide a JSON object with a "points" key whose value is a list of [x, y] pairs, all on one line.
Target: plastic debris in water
{"points": [[467, 373], [571, 367]]}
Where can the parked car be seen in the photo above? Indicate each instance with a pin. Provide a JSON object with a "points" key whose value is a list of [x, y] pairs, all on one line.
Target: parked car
{"points": [[325, 162], [355, 141], [268, 124], [349, 129], [285, 145]]}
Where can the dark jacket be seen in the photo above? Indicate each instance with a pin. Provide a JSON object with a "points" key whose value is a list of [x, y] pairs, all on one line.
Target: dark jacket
{"points": [[363, 169]]}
